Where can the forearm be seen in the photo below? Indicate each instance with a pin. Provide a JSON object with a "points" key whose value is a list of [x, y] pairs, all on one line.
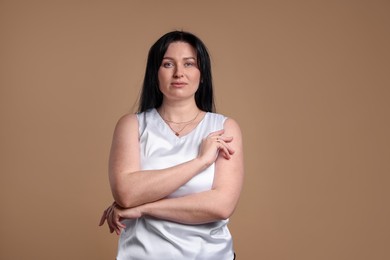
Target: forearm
{"points": [[137, 188], [198, 208]]}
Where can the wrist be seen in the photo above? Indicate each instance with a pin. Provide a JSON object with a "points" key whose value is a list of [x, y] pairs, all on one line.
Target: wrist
{"points": [[202, 163], [143, 209]]}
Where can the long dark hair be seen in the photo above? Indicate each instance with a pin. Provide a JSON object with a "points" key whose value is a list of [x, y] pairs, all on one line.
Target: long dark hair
{"points": [[151, 96]]}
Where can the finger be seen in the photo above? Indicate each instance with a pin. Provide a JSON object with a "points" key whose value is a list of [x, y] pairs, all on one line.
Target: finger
{"points": [[229, 150], [112, 222], [223, 151], [103, 218], [106, 217], [226, 139], [120, 224], [217, 133], [109, 220], [117, 219], [110, 227], [221, 137], [119, 227]]}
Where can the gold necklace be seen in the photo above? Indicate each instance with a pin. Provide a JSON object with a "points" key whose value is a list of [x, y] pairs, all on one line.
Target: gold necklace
{"points": [[177, 133]]}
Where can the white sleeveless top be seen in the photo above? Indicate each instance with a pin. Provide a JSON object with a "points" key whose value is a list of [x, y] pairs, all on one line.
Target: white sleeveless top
{"points": [[148, 238]]}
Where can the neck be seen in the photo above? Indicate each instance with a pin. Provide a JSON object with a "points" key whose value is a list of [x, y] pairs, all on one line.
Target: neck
{"points": [[178, 112]]}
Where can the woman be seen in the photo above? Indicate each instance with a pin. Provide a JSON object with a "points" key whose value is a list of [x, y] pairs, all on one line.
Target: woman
{"points": [[176, 167]]}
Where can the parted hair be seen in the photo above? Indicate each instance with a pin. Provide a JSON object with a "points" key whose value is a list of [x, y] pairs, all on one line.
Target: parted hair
{"points": [[152, 97]]}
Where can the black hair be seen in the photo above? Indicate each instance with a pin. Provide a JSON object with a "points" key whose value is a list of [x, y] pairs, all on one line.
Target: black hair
{"points": [[151, 96]]}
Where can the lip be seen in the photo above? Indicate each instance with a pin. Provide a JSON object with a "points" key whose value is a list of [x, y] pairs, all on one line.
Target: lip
{"points": [[178, 84]]}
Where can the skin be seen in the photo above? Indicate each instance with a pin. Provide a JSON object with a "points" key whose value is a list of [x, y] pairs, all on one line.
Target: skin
{"points": [[138, 193]]}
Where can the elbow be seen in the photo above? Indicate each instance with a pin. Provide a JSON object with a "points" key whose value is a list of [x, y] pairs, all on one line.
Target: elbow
{"points": [[124, 199], [225, 214], [123, 203], [223, 205], [224, 211], [127, 203]]}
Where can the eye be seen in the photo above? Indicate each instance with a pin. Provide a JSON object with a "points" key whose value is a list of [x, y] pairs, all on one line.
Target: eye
{"points": [[190, 64], [167, 64]]}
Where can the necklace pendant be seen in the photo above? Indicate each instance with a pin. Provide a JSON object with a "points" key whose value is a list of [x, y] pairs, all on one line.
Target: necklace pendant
{"points": [[176, 133]]}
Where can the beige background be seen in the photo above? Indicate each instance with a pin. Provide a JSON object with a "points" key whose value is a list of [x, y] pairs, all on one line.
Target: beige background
{"points": [[308, 81]]}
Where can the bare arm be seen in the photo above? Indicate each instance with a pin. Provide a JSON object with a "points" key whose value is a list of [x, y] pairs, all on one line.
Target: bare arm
{"points": [[215, 204], [132, 187]]}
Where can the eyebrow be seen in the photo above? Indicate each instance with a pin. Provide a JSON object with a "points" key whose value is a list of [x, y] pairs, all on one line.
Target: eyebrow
{"points": [[185, 58]]}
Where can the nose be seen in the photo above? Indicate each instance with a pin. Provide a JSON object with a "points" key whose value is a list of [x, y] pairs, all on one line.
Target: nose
{"points": [[178, 72]]}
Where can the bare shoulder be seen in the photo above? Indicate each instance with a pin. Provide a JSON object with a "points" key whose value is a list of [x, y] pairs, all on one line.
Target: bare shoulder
{"points": [[129, 118], [127, 124], [232, 127]]}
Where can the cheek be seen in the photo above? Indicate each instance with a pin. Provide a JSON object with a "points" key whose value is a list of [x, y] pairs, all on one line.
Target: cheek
{"points": [[160, 78], [163, 75], [198, 77]]}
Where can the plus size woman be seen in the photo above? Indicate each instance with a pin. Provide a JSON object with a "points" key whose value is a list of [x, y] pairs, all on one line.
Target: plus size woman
{"points": [[176, 166]]}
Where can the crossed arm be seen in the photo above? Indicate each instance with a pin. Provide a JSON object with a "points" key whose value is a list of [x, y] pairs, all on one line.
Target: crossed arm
{"points": [[139, 193]]}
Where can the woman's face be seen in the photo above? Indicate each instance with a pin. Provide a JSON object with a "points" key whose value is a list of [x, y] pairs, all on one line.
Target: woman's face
{"points": [[179, 75]]}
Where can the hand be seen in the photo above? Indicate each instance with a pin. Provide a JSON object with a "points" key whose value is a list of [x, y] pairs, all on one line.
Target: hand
{"points": [[213, 145], [108, 215], [114, 214]]}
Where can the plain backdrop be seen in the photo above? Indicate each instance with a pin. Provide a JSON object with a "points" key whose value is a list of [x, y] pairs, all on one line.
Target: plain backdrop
{"points": [[308, 81]]}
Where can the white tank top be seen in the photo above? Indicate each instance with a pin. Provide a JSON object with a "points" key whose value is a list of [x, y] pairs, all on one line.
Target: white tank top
{"points": [[155, 239]]}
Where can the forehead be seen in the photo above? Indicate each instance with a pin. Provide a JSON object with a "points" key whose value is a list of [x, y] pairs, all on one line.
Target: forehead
{"points": [[180, 50]]}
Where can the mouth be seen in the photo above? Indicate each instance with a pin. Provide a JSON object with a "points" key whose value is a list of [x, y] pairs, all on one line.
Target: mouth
{"points": [[178, 84]]}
